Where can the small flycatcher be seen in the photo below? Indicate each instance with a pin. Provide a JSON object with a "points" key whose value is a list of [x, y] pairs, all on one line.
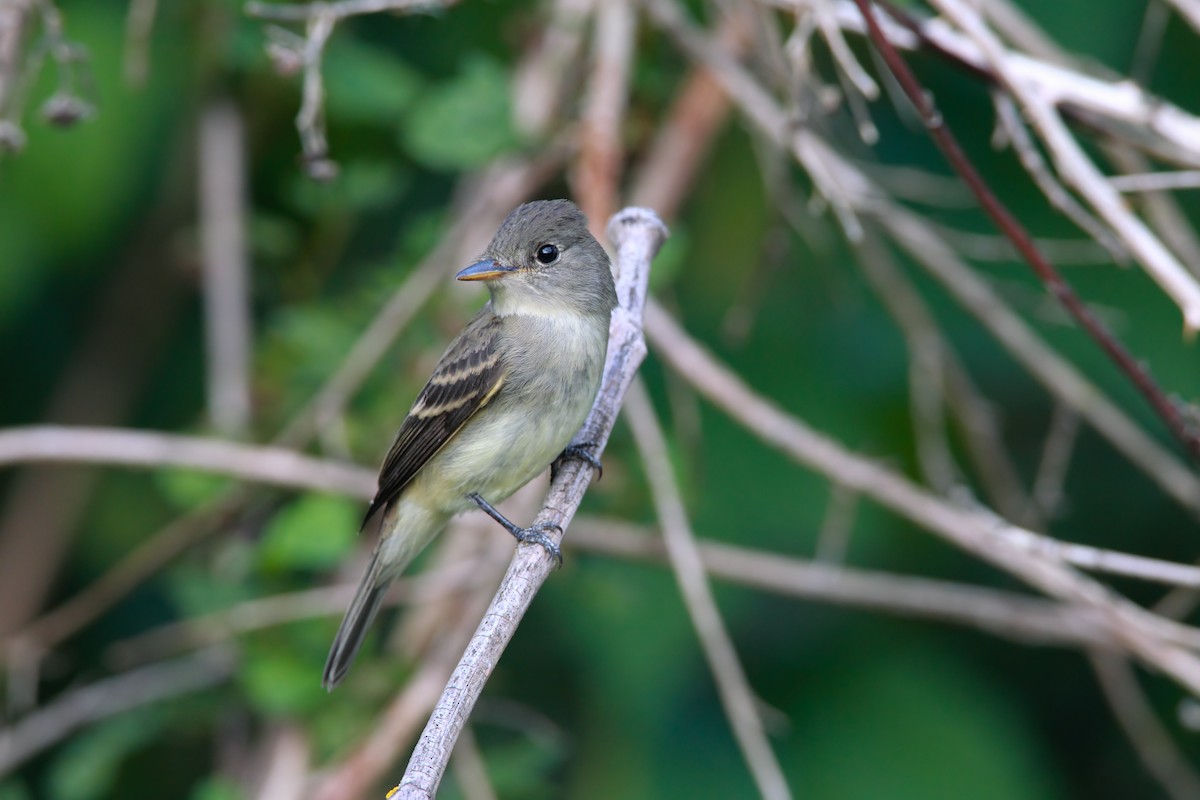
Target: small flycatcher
{"points": [[503, 402]]}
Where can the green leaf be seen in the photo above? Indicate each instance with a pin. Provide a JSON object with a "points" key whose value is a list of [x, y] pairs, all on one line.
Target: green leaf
{"points": [[313, 532], [366, 84], [198, 590], [89, 764], [361, 184], [928, 726], [14, 790], [465, 122], [187, 488], [280, 684], [217, 788]]}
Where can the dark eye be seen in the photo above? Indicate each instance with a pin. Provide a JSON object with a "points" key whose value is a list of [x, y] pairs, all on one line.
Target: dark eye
{"points": [[547, 254]]}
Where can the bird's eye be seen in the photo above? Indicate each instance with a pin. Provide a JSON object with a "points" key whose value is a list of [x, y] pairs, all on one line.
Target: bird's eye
{"points": [[547, 254]]}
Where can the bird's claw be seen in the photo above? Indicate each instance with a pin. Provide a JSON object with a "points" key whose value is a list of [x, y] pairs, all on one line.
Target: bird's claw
{"points": [[580, 452], [536, 534]]}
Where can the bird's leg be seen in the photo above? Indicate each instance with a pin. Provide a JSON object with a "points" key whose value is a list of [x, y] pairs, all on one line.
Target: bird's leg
{"points": [[534, 533], [579, 452]]}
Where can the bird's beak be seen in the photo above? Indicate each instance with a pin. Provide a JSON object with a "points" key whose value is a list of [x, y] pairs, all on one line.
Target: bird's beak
{"points": [[485, 270]]}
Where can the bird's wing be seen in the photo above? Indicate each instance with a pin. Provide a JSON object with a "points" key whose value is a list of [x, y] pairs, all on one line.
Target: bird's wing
{"points": [[467, 377]]}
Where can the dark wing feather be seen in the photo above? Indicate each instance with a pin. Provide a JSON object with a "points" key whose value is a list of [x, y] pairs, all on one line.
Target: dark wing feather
{"points": [[468, 376]]}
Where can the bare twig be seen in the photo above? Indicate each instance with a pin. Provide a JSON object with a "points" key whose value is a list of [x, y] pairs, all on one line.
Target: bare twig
{"points": [[850, 191], [280, 609], [1156, 181], [1060, 377], [1017, 134], [538, 81], [338, 9], [600, 150], [1149, 42], [75, 709], [995, 467], [1137, 629], [737, 696], [146, 559], [15, 20], [288, 751], [320, 19], [1122, 103], [227, 325], [833, 539], [489, 197], [1149, 738], [1015, 616], [139, 22], [492, 195], [364, 765], [310, 119], [637, 235], [1075, 166], [470, 770], [927, 357], [1078, 170], [1189, 10], [1056, 460], [264, 464]]}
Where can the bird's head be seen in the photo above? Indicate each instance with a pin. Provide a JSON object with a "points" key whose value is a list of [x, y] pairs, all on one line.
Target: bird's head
{"points": [[544, 260]]}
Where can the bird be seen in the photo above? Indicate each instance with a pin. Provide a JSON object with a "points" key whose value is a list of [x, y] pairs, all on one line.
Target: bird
{"points": [[504, 401]]}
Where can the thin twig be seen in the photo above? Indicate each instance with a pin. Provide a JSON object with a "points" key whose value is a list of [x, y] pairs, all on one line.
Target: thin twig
{"points": [[984, 442], [16, 17], [227, 324], [492, 195], [1014, 616], [310, 119], [851, 191], [733, 687], [288, 752], [1138, 630], [1149, 42], [139, 23], [926, 364], [539, 88], [637, 234], [106, 698], [833, 538], [1060, 377], [1055, 462], [1189, 10], [365, 764], [489, 197], [260, 463], [470, 770], [1150, 740], [339, 9], [1162, 265], [281, 609], [1156, 181], [1119, 102], [1017, 134], [598, 168]]}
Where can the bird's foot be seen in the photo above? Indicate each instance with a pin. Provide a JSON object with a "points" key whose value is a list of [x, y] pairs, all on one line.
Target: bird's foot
{"points": [[578, 452], [535, 533]]}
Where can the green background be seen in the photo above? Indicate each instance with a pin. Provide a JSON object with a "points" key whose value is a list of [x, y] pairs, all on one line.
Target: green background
{"points": [[604, 692]]}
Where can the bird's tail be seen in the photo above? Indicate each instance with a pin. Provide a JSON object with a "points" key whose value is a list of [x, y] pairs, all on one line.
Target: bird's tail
{"points": [[353, 630]]}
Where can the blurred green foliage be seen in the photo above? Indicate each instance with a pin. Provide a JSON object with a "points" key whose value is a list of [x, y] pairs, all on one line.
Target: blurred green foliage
{"points": [[604, 692]]}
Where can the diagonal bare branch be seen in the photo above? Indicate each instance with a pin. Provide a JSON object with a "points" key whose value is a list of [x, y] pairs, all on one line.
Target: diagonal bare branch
{"points": [[637, 234]]}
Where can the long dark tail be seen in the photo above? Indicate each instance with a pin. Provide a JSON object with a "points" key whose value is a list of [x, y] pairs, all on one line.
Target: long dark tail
{"points": [[355, 624]]}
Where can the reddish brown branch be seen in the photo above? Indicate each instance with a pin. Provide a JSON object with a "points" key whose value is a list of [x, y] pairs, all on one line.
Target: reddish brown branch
{"points": [[1008, 224]]}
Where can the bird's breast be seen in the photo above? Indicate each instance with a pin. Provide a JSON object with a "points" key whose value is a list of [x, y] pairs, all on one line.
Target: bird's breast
{"points": [[553, 370]]}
